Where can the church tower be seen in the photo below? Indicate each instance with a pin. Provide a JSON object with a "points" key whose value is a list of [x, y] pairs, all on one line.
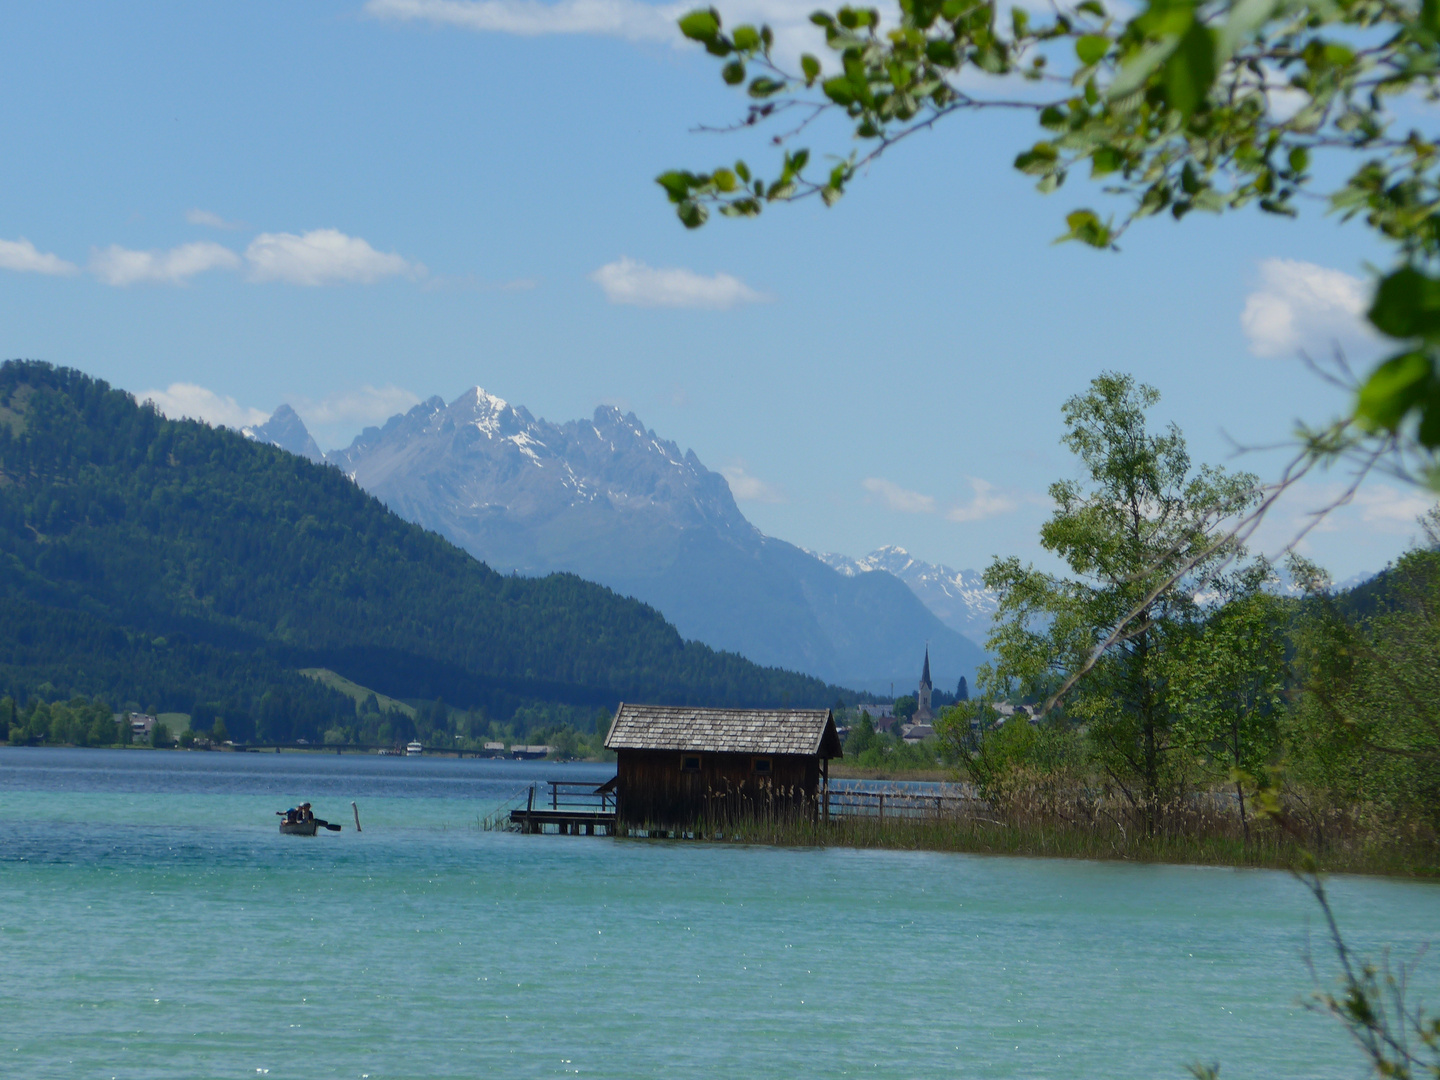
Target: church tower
{"points": [[923, 715]]}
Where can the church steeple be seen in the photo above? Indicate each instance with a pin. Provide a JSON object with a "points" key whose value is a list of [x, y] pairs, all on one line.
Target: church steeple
{"points": [[923, 715]]}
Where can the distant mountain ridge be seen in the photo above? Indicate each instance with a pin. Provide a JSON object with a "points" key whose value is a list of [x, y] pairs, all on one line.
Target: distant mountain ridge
{"points": [[958, 598], [609, 500], [173, 563]]}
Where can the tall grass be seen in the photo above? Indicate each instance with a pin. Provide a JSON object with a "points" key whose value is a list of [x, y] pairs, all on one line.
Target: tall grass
{"points": [[1049, 822]]}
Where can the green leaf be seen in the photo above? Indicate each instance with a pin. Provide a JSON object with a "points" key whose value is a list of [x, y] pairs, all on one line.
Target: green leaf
{"points": [[1299, 159], [1091, 48], [1086, 227], [1038, 159], [1430, 15], [839, 90], [1091, 7], [1138, 68], [1393, 389], [676, 184], [1189, 180], [1190, 70], [1246, 16], [743, 171], [723, 179], [692, 214], [746, 38], [810, 66], [1407, 305], [733, 73], [1105, 160], [763, 87], [700, 25]]}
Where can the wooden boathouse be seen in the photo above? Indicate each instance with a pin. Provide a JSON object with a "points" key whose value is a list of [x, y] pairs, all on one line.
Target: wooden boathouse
{"points": [[678, 766]]}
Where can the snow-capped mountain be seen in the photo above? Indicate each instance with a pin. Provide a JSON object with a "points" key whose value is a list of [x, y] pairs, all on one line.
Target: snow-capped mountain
{"points": [[958, 598], [286, 430], [611, 501]]}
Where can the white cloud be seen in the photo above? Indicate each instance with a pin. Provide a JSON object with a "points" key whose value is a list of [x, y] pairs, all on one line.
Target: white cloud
{"points": [[214, 221], [747, 488], [898, 498], [323, 257], [1301, 306], [1392, 509], [365, 405], [180, 401], [119, 266], [631, 282], [985, 503], [20, 255], [629, 19]]}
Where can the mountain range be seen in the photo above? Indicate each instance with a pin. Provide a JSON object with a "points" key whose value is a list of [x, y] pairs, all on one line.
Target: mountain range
{"points": [[611, 501], [958, 598], [173, 564]]}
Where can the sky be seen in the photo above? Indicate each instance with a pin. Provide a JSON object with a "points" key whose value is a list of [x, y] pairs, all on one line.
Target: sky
{"points": [[351, 206]]}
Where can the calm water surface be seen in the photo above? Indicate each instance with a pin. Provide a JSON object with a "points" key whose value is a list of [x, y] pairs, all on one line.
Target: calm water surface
{"points": [[154, 925]]}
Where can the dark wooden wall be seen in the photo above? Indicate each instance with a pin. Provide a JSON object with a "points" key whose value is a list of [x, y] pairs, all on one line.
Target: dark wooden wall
{"points": [[652, 789]]}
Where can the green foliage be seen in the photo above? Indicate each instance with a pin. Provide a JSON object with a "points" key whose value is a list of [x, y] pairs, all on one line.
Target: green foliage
{"points": [[1365, 732], [1180, 106], [1141, 534], [905, 707], [171, 563], [1228, 677]]}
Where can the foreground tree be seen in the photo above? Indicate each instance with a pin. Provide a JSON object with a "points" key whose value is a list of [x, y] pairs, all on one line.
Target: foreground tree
{"points": [[1186, 105], [1227, 681], [1141, 536]]}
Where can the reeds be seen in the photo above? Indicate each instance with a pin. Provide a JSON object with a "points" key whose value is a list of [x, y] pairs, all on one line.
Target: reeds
{"points": [[1057, 821]]}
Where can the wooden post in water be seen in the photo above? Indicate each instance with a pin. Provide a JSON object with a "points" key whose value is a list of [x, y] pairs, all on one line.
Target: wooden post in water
{"points": [[357, 815]]}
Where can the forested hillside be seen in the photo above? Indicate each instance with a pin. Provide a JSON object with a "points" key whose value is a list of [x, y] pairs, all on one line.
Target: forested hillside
{"points": [[162, 563]]}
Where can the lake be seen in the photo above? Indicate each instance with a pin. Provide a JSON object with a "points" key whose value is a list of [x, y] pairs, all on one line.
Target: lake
{"points": [[155, 925]]}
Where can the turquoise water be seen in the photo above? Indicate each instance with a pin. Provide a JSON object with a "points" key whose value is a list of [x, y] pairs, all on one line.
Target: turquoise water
{"points": [[154, 924]]}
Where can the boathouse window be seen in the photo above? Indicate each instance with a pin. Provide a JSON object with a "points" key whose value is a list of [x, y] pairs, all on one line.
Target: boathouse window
{"points": [[762, 766], [690, 763]]}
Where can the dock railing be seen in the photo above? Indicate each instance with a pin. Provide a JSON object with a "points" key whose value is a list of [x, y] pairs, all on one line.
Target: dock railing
{"points": [[570, 806], [897, 802]]}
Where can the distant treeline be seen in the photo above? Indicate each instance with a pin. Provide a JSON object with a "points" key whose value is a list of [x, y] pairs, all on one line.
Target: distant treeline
{"points": [[158, 564]]}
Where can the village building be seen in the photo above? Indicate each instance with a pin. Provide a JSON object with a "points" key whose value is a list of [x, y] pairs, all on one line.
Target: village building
{"points": [[677, 766]]}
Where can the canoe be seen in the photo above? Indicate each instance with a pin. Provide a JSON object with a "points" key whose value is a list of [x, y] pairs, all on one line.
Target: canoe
{"points": [[299, 828]]}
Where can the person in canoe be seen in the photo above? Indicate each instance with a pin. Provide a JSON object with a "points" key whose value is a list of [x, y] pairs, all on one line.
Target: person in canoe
{"points": [[301, 821]]}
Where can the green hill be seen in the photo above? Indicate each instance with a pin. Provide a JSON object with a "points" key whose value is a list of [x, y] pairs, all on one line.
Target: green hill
{"points": [[167, 563]]}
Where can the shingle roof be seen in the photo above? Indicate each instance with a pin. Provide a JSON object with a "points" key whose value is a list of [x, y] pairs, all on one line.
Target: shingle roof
{"points": [[726, 731]]}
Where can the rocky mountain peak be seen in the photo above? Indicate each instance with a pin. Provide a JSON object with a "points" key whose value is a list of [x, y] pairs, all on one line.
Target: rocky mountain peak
{"points": [[286, 430]]}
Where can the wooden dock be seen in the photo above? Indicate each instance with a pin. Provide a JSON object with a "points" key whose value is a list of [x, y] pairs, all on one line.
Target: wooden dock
{"points": [[576, 809]]}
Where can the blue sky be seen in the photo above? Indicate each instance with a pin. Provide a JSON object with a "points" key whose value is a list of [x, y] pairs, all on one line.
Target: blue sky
{"points": [[350, 207]]}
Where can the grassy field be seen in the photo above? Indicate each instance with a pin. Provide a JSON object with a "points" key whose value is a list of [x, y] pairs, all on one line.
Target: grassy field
{"points": [[355, 691]]}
